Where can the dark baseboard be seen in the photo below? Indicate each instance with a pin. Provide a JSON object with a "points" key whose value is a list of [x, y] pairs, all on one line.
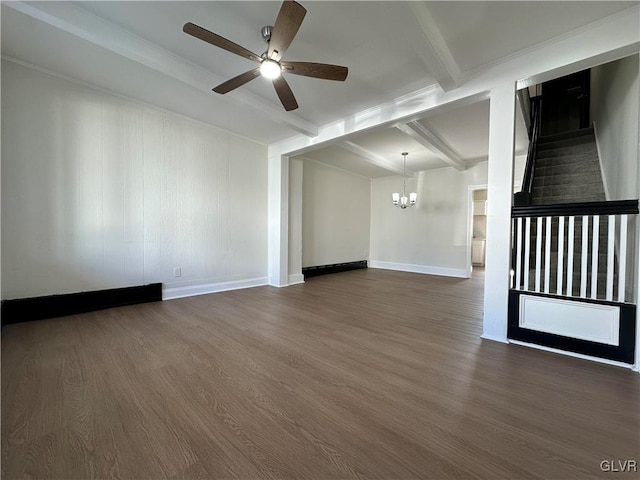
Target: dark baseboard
{"points": [[39, 308], [309, 272], [623, 352]]}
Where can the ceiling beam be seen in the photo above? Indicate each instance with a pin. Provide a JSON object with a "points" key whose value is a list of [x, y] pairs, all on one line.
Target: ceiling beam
{"points": [[92, 28], [374, 158], [430, 140], [432, 48]]}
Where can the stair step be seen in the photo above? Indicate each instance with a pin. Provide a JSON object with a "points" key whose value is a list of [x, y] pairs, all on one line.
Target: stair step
{"points": [[582, 148], [555, 190], [564, 135], [566, 199], [565, 179], [582, 158], [594, 189], [559, 169], [568, 142]]}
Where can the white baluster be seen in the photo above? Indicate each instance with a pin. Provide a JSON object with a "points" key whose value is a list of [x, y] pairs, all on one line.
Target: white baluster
{"points": [[611, 234], [547, 256], [622, 255], [570, 256], [519, 253], [560, 255], [538, 251], [583, 267], [527, 251], [594, 256]]}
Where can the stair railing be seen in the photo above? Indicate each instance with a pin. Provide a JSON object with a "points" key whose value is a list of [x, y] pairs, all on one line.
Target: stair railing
{"points": [[570, 290], [523, 197], [546, 238]]}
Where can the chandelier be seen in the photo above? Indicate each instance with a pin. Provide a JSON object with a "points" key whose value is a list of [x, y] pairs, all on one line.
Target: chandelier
{"points": [[404, 202]]}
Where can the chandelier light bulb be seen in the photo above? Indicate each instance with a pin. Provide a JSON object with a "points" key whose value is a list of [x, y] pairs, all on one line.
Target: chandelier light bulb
{"points": [[270, 69]]}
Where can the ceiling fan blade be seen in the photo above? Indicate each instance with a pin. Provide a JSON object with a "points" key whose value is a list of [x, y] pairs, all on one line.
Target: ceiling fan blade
{"points": [[214, 39], [285, 94], [316, 70], [284, 30], [238, 81]]}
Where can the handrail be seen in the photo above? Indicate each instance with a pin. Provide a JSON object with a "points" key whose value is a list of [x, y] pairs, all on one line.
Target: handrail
{"points": [[613, 207], [523, 197], [524, 99]]}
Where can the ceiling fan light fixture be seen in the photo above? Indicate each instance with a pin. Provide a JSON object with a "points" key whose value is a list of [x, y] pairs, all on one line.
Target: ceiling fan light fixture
{"points": [[270, 69], [278, 38]]}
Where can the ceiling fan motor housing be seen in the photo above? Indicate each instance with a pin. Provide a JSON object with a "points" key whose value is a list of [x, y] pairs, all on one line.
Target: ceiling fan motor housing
{"points": [[266, 33]]}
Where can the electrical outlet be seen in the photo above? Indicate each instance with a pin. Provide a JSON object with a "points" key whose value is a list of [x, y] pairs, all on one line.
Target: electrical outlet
{"points": [[177, 272]]}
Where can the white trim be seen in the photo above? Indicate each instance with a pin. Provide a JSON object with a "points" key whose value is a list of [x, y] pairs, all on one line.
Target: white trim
{"points": [[424, 269], [604, 178], [572, 354], [571, 34], [296, 279], [429, 139], [193, 290], [432, 48], [494, 339]]}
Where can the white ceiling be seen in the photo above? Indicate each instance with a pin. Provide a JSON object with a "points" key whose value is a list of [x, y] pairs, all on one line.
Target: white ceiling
{"points": [[465, 130], [138, 50]]}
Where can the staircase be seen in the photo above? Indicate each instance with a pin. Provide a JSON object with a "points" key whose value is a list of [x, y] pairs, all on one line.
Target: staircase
{"points": [[563, 270], [567, 169]]}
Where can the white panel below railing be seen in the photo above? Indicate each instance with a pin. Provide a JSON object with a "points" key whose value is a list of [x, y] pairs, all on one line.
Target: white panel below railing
{"points": [[571, 318]]}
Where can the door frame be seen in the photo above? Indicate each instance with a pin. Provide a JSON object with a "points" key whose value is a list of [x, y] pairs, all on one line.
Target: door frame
{"points": [[470, 190]]}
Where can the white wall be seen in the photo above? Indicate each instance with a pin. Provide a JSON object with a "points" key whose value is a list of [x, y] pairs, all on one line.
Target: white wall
{"points": [[434, 234], [335, 215], [614, 110], [100, 192]]}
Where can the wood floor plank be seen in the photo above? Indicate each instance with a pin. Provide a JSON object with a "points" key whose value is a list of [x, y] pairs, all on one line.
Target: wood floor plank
{"points": [[363, 374]]}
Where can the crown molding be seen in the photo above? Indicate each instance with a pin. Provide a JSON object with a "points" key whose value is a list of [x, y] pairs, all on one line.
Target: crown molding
{"points": [[481, 69]]}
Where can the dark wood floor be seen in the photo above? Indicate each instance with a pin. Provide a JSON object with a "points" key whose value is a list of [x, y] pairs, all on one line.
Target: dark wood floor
{"points": [[363, 374]]}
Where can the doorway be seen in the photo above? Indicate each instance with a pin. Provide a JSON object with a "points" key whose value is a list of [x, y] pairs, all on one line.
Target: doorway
{"points": [[479, 232]]}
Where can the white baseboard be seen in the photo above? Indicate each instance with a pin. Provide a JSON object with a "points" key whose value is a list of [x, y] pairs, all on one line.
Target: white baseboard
{"points": [[296, 278], [572, 354], [424, 269], [494, 339], [192, 290]]}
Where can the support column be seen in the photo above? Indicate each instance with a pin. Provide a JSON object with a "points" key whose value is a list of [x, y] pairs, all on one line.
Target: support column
{"points": [[500, 195], [636, 287], [295, 221], [278, 220]]}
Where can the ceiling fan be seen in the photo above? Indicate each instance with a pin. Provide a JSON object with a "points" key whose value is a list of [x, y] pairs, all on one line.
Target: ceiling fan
{"points": [[278, 39]]}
